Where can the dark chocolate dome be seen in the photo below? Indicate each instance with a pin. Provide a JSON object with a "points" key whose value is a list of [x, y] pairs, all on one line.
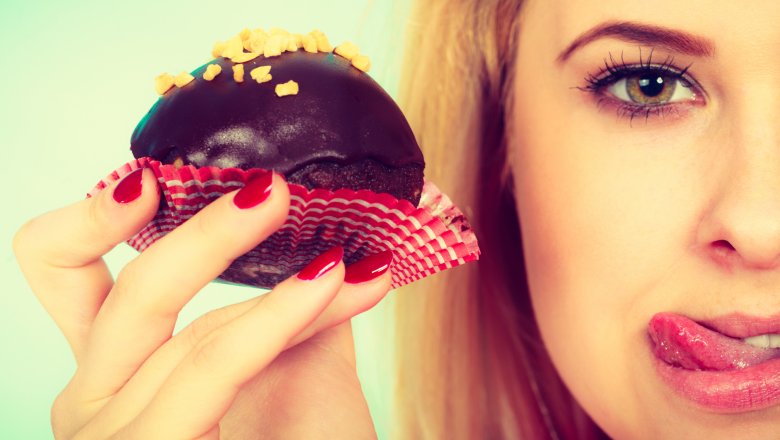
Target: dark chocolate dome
{"points": [[341, 129]]}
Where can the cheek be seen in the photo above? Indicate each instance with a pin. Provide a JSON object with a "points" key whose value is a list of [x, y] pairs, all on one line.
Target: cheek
{"points": [[604, 216]]}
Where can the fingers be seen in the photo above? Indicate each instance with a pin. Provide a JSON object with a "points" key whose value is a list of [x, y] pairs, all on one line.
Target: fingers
{"points": [[60, 252], [367, 282], [140, 313], [200, 389], [351, 300]]}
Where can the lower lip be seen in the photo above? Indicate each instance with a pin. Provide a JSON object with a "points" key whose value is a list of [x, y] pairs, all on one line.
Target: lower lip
{"points": [[749, 389]]}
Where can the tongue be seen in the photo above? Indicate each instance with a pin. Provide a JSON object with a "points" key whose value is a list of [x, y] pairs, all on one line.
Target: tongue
{"points": [[681, 342]]}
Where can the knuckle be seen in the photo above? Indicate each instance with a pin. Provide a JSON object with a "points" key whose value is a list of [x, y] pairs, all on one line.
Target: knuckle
{"points": [[63, 422], [204, 325], [204, 224], [218, 236], [128, 275], [125, 293], [22, 241], [210, 354], [58, 409]]}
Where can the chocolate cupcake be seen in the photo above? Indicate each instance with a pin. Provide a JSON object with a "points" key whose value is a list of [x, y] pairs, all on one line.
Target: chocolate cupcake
{"points": [[293, 104], [334, 127]]}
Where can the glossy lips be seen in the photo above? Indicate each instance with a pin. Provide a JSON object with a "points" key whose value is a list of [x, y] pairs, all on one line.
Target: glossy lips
{"points": [[713, 369]]}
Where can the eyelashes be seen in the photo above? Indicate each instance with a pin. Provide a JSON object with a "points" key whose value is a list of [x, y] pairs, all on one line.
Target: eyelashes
{"points": [[645, 89]]}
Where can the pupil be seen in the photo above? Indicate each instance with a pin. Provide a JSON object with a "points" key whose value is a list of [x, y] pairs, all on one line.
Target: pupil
{"points": [[651, 85]]}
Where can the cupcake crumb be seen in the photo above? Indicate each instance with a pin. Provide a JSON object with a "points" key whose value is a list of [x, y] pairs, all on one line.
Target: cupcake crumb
{"points": [[182, 79], [243, 57], [309, 43], [347, 50], [163, 83], [261, 74], [212, 70], [238, 73], [361, 62], [285, 89]]}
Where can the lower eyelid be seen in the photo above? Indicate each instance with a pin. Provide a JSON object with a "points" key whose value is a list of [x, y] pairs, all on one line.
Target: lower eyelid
{"points": [[645, 113]]}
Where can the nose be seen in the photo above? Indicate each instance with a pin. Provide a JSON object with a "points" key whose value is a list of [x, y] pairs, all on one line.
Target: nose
{"points": [[742, 228]]}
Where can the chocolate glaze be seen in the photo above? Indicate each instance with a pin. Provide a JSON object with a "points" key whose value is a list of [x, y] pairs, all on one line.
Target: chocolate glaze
{"points": [[340, 116]]}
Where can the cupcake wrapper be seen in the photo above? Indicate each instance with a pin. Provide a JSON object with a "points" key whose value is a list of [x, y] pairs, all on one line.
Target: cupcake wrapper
{"points": [[425, 239]]}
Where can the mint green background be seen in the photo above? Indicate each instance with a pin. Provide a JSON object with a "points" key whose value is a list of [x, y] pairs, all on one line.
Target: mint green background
{"points": [[76, 77]]}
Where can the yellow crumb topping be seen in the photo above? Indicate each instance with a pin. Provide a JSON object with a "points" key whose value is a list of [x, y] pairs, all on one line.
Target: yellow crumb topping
{"points": [[288, 88], [216, 51], [298, 38], [256, 42], [323, 45], [361, 62], [284, 41], [309, 43], [233, 47], [182, 79], [163, 83], [244, 57], [274, 46], [212, 70], [347, 50], [238, 73], [248, 45], [261, 74]]}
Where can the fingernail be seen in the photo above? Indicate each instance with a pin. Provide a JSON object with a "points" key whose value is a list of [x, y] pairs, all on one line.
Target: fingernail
{"points": [[322, 264], [255, 191], [368, 268], [130, 187]]}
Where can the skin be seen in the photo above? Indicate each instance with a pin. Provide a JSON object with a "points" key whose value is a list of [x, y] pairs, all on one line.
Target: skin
{"points": [[280, 365], [624, 219], [620, 219]]}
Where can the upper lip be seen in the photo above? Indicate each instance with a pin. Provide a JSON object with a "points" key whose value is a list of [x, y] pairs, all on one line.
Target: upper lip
{"points": [[740, 326]]}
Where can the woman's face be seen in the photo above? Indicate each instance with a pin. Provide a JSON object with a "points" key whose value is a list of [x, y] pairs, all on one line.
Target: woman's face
{"points": [[646, 157]]}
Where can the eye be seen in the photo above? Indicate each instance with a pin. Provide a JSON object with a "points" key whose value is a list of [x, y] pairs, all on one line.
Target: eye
{"points": [[651, 87]]}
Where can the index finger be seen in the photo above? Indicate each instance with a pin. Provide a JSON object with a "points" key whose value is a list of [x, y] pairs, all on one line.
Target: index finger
{"points": [[60, 252]]}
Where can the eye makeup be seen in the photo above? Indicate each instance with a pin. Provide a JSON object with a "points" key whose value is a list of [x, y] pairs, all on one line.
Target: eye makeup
{"points": [[646, 89]]}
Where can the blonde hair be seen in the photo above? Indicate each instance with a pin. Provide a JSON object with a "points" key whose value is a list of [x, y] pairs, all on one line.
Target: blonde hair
{"points": [[470, 357]]}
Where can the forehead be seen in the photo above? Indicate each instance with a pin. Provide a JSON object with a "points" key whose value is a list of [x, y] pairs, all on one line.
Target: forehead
{"points": [[718, 20]]}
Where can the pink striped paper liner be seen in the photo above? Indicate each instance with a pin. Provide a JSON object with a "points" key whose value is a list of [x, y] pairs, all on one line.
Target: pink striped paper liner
{"points": [[426, 239]]}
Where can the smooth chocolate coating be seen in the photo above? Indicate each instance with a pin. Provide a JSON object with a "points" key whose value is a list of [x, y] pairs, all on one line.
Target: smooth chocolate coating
{"points": [[339, 116]]}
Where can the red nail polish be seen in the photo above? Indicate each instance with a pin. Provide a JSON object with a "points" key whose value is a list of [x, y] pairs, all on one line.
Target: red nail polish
{"points": [[255, 191], [130, 187], [323, 263], [368, 268]]}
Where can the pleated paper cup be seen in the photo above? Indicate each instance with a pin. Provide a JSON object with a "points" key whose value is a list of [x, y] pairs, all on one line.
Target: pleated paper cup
{"points": [[426, 239]]}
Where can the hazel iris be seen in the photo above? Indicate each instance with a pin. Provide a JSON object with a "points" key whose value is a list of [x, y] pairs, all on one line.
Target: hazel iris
{"points": [[650, 89]]}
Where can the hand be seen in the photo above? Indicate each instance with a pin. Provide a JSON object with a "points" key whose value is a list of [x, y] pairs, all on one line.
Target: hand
{"points": [[135, 379]]}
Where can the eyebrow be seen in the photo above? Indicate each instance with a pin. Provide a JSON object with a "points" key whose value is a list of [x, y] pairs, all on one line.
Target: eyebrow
{"points": [[649, 35]]}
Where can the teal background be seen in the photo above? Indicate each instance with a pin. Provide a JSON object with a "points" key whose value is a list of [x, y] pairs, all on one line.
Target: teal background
{"points": [[76, 77]]}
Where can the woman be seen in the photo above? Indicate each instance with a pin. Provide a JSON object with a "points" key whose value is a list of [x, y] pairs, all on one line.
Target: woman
{"points": [[632, 149]]}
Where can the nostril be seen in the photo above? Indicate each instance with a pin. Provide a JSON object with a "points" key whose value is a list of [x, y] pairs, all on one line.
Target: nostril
{"points": [[723, 246], [723, 251]]}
